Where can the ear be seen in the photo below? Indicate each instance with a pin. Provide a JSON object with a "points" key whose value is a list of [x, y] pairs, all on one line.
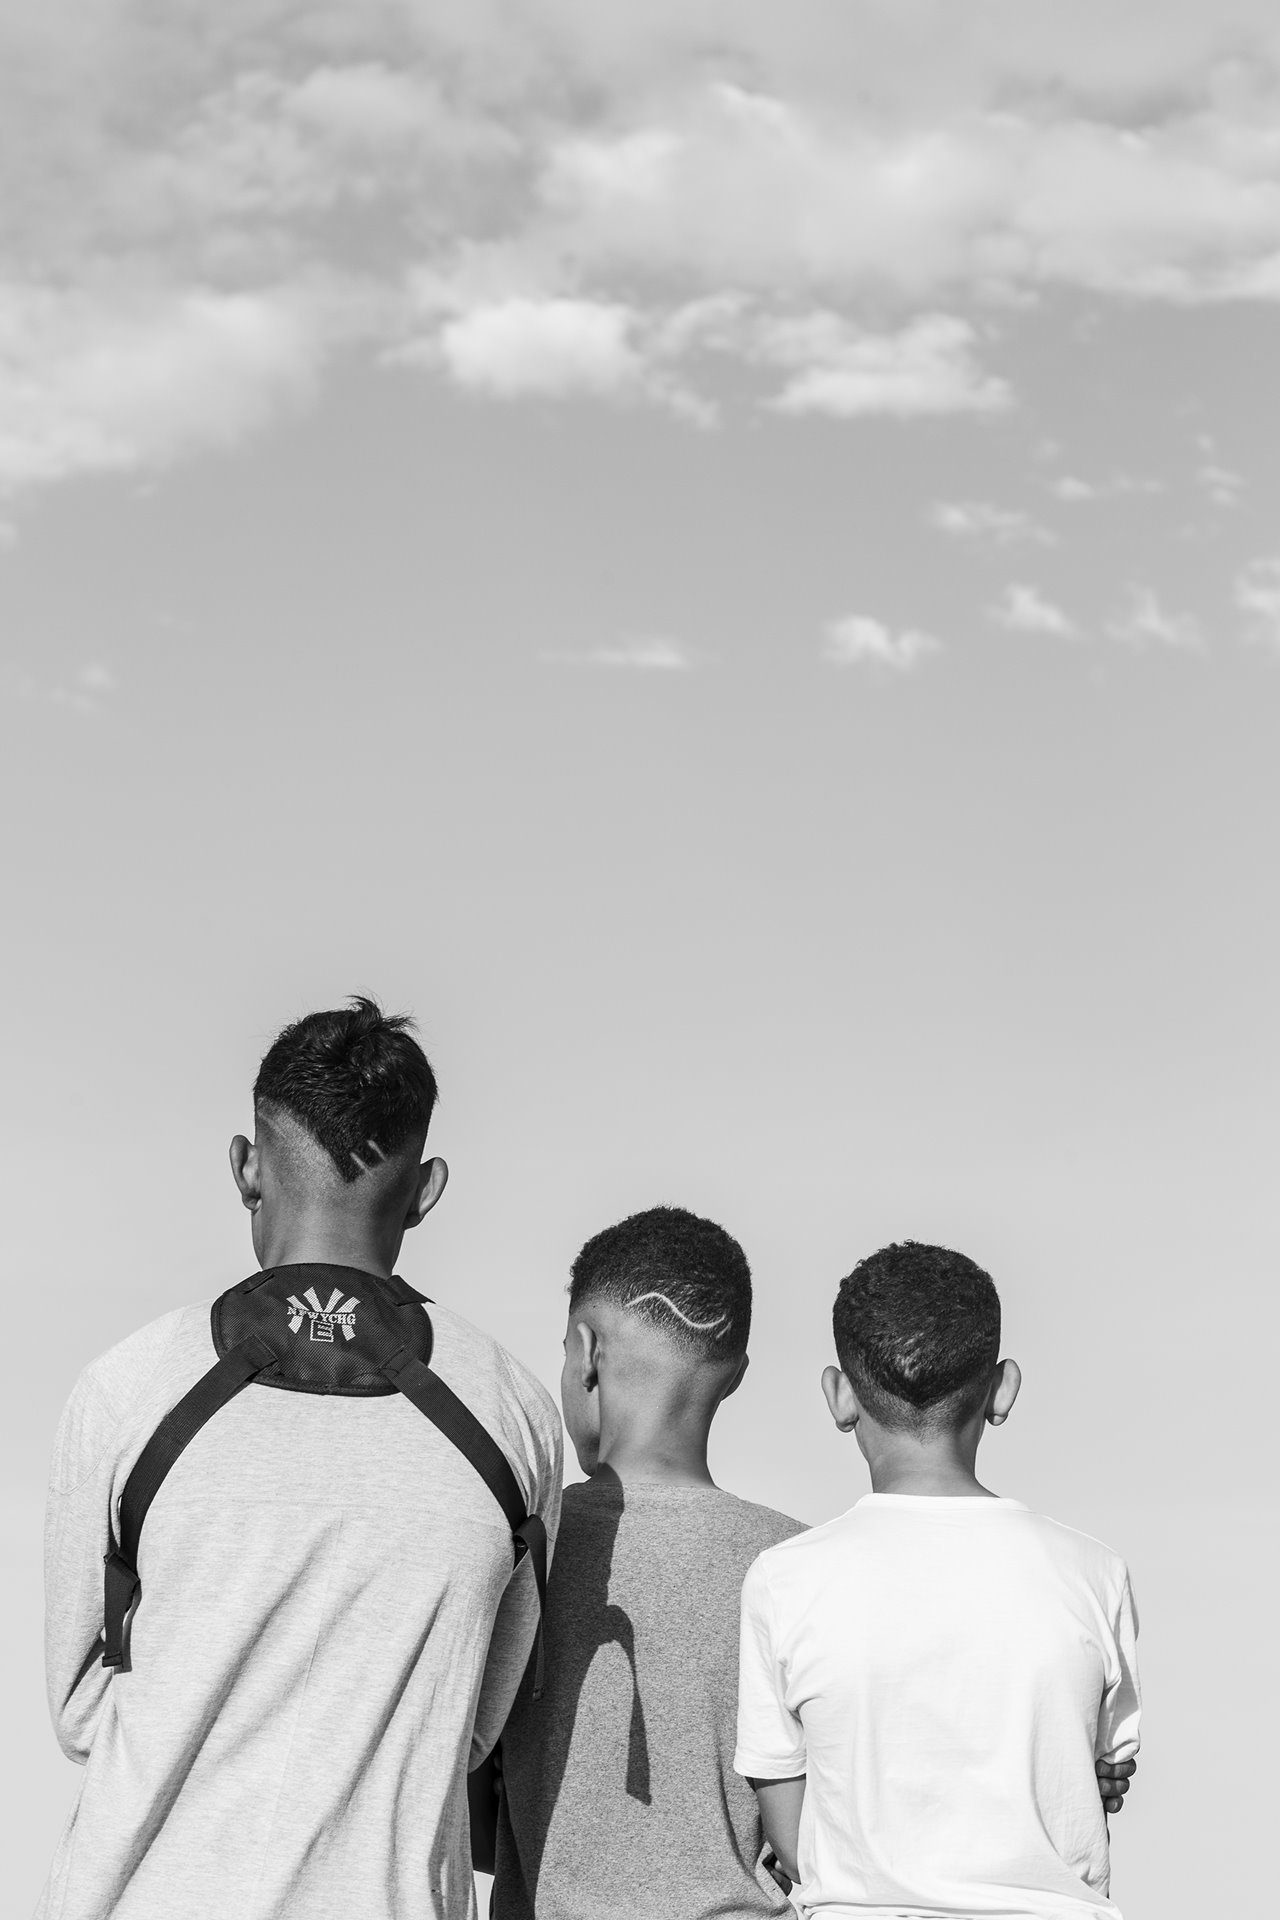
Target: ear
{"points": [[585, 1348], [738, 1376], [246, 1171], [433, 1177], [841, 1399], [1004, 1391]]}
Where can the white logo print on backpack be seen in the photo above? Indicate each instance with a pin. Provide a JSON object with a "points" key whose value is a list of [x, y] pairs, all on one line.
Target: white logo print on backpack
{"points": [[338, 1313]]}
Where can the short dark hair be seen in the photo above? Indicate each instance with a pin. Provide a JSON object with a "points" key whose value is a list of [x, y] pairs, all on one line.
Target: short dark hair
{"points": [[917, 1332], [682, 1274], [355, 1078]]}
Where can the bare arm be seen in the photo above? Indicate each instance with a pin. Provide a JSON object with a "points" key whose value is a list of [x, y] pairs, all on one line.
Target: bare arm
{"points": [[780, 1802]]}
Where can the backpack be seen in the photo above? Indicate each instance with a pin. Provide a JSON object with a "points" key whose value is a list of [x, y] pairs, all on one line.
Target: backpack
{"points": [[273, 1330]]}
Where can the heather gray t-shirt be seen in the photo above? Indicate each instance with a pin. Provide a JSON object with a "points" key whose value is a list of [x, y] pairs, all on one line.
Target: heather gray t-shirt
{"points": [[330, 1630], [620, 1798]]}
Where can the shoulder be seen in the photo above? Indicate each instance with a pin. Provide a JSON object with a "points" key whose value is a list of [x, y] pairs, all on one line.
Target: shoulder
{"points": [[764, 1527], [503, 1393], [120, 1375], [1093, 1558], [138, 1378], [793, 1563], [467, 1352]]}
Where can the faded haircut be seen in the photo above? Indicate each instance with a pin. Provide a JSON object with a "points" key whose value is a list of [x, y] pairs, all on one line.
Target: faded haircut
{"points": [[917, 1332], [682, 1274], [355, 1079]]}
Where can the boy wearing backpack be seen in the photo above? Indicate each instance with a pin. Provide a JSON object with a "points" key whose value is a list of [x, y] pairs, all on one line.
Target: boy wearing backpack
{"points": [[930, 1683], [323, 1621]]}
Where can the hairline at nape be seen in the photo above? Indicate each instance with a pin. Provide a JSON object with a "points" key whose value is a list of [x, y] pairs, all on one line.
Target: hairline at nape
{"points": [[946, 1412]]}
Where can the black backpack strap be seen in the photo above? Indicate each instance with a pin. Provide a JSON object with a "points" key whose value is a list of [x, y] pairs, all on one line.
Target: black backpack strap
{"points": [[441, 1405], [179, 1427]]}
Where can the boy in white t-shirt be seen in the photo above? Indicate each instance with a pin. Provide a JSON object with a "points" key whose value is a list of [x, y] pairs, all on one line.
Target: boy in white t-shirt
{"points": [[928, 1682]]}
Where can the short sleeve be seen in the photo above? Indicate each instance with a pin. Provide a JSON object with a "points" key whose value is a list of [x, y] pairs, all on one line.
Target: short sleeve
{"points": [[1121, 1710], [770, 1736]]}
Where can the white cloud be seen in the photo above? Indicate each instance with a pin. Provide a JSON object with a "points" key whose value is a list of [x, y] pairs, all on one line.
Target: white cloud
{"points": [[914, 185], [523, 346], [98, 382], [1222, 484], [981, 520], [84, 691], [1257, 594], [623, 190], [1145, 622], [1072, 489], [507, 344], [648, 653], [1069, 487], [857, 640], [927, 367], [1024, 609]]}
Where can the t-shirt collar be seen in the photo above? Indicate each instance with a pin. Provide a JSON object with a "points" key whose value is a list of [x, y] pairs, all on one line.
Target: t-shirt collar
{"points": [[942, 1502]]}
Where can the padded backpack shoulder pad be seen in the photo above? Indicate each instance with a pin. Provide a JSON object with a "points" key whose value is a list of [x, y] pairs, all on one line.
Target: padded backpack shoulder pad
{"points": [[324, 1338]]}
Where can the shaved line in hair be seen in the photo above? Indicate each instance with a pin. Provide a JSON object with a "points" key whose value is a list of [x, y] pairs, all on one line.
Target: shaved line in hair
{"points": [[697, 1326], [685, 1277]]}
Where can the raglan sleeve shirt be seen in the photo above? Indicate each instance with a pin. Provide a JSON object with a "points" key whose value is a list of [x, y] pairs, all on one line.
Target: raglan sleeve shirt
{"points": [[771, 1742]]}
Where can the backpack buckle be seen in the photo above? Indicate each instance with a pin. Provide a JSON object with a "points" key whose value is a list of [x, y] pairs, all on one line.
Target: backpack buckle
{"points": [[120, 1584]]}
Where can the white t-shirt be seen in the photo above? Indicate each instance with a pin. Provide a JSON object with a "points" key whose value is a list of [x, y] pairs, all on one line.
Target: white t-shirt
{"points": [[945, 1672], [330, 1629]]}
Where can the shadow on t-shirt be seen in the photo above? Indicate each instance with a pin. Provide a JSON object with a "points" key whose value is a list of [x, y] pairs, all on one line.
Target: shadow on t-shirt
{"points": [[581, 1621], [613, 1800], [590, 1621]]}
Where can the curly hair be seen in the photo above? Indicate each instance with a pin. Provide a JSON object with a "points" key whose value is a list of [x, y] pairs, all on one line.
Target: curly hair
{"points": [[917, 1331], [355, 1078], [680, 1273]]}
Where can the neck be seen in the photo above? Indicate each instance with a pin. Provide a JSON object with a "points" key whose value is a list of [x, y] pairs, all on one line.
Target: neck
{"points": [[331, 1241], [941, 1465], [668, 1449]]}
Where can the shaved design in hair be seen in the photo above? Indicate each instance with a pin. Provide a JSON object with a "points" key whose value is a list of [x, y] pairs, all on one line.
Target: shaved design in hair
{"points": [[682, 1274], [355, 1080], [721, 1320]]}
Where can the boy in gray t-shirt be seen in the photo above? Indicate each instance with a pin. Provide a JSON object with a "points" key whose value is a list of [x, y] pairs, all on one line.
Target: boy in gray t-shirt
{"points": [[618, 1791]]}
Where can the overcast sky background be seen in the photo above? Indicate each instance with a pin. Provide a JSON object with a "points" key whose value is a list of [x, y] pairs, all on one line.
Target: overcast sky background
{"points": [[726, 556]]}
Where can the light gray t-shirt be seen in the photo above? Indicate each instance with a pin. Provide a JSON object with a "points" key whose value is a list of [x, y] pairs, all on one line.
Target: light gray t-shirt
{"points": [[329, 1633], [620, 1799]]}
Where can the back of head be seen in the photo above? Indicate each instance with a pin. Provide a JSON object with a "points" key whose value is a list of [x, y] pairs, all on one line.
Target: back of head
{"points": [[681, 1275], [346, 1092], [917, 1332]]}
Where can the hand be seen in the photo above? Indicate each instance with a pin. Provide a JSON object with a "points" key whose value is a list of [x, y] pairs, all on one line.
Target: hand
{"points": [[769, 1861], [1113, 1782]]}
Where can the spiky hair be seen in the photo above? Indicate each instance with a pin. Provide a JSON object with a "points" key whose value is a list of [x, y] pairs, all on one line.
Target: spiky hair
{"points": [[355, 1078]]}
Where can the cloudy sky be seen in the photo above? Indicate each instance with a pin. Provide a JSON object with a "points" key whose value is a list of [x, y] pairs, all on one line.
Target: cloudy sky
{"points": [[726, 555]]}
